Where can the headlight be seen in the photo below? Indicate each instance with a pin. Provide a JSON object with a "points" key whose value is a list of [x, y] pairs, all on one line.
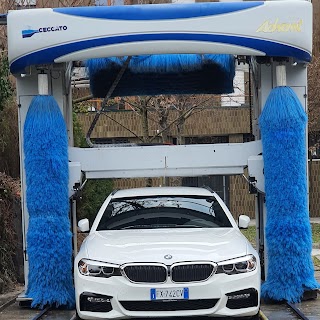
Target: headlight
{"points": [[98, 269], [238, 265]]}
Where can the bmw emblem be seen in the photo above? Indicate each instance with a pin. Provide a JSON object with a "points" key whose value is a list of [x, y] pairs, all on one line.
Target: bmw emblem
{"points": [[168, 256]]}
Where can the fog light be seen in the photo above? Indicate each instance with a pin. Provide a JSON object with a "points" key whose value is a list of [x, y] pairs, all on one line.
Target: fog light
{"points": [[98, 300], [242, 299], [239, 296], [95, 302]]}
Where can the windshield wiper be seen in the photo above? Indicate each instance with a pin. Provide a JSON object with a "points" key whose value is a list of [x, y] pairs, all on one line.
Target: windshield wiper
{"points": [[187, 226], [159, 226], [139, 226]]}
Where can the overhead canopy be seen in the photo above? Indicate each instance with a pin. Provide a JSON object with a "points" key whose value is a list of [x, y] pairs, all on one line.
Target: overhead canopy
{"points": [[257, 28]]}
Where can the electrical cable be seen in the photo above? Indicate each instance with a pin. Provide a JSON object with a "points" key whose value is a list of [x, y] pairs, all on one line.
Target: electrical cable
{"points": [[104, 103], [250, 104]]}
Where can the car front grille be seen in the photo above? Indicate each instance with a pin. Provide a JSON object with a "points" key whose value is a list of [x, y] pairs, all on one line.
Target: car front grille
{"points": [[179, 273], [169, 305], [146, 273], [191, 272]]}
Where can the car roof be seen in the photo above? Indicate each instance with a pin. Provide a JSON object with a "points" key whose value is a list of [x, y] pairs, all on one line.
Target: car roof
{"points": [[162, 191]]}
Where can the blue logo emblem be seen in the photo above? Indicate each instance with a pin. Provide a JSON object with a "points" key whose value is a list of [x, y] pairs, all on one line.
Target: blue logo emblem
{"points": [[29, 33]]}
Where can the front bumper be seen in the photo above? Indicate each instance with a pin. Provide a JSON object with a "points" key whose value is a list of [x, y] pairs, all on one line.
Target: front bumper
{"points": [[117, 298]]}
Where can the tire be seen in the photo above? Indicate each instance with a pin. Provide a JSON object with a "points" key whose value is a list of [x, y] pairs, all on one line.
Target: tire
{"points": [[255, 317]]}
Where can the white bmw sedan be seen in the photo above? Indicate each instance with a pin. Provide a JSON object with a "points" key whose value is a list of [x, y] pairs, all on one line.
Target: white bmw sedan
{"points": [[166, 252]]}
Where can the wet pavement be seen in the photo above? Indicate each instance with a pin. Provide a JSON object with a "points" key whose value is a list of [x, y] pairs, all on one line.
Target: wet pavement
{"points": [[310, 308], [14, 312]]}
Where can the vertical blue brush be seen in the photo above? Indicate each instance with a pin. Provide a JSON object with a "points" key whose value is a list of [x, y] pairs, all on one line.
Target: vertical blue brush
{"points": [[288, 232], [49, 237]]}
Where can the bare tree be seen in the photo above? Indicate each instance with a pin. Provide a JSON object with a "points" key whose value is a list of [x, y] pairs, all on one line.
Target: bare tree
{"points": [[63, 3], [314, 100], [161, 105], [160, 110], [188, 105]]}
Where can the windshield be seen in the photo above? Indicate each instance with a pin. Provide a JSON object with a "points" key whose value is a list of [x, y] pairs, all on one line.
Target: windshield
{"points": [[163, 212]]}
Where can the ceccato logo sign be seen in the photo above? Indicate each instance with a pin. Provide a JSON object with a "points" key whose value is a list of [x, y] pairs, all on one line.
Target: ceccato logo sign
{"points": [[30, 32]]}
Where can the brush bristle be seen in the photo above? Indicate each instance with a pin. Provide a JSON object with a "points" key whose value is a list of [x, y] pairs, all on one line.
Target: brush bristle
{"points": [[49, 237], [163, 74], [288, 232]]}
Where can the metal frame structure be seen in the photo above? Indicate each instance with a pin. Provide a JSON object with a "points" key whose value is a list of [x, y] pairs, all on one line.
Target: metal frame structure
{"points": [[51, 39]]}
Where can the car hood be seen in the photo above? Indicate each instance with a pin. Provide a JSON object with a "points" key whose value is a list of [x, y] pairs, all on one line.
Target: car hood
{"points": [[122, 246]]}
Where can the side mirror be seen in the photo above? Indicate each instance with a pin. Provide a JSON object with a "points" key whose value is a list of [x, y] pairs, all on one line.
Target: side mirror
{"points": [[83, 225], [243, 221]]}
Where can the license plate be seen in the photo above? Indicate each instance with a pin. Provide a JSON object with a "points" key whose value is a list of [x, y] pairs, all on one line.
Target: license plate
{"points": [[170, 294]]}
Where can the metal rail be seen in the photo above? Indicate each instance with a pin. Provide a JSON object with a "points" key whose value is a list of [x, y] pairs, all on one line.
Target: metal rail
{"points": [[292, 307], [296, 311], [7, 304], [42, 313]]}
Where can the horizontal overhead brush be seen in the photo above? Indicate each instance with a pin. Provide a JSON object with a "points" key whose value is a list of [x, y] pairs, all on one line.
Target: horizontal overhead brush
{"points": [[163, 74]]}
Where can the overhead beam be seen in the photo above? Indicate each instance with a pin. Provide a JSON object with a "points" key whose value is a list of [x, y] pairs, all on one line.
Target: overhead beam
{"points": [[168, 161]]}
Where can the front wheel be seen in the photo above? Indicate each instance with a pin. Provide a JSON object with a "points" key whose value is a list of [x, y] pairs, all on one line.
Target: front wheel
{"points": [[255, 317]]}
